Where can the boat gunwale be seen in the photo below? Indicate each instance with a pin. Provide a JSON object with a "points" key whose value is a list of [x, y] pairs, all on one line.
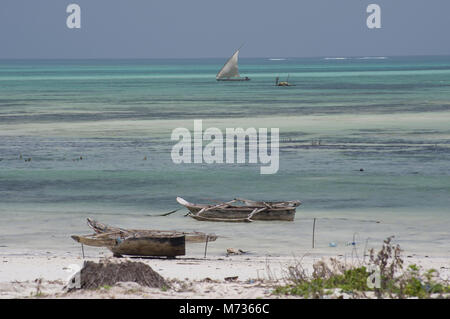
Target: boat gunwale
{"points": [[239, 208]]}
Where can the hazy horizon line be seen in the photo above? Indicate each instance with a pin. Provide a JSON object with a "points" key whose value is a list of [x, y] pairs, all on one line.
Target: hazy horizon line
{"points": [[225, 57]]}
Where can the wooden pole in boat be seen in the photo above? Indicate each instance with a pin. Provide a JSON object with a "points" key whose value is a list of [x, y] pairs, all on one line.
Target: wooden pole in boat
{"points": [[82, 250], [314, 228], [206, 245]]}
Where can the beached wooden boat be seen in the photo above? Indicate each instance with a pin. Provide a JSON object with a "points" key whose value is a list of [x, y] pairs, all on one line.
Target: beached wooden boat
{"points": [[141, 242], [191, 237], [241, 210]]}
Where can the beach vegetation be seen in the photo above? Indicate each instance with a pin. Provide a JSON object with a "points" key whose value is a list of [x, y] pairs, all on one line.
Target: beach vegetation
{"points": [[105, 287], [164, 288], [325, 281], [337, 278]]}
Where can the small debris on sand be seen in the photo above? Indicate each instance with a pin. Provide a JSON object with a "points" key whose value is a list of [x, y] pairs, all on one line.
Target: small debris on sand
{"points": [[234, 278], [232, 251]]}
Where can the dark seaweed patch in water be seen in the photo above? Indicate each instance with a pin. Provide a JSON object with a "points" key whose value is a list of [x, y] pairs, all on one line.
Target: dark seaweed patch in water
{"points": [[335, 203], [379, 86], [416, 151]]}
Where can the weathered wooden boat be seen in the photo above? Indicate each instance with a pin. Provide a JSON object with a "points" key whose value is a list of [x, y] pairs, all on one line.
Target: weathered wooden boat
{"points": [[141, 242], [246, 211], [191, 237], [282, 83]]}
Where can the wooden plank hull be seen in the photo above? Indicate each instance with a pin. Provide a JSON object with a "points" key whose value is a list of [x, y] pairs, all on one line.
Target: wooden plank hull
{"points": [[287, 214], [140, 246], [147, 246], [233, 80]]}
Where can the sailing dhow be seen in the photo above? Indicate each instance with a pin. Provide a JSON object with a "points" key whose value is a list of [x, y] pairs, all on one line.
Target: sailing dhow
{"points": [[230, 71]]}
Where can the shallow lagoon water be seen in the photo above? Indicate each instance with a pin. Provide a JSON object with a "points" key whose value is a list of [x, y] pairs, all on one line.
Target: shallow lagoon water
{"points": [[390, 117]]}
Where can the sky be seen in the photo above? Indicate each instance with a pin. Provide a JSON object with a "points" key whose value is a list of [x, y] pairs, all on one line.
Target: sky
{"points": [[215, 28]]}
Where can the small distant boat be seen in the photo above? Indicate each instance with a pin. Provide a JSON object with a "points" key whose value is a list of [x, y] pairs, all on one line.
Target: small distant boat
{"points": [[282, 83], [141, 242], [230, 70], [241, 210]]}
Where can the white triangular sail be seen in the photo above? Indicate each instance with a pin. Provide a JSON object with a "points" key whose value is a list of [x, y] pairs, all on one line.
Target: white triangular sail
{"points": [[230, 69]]}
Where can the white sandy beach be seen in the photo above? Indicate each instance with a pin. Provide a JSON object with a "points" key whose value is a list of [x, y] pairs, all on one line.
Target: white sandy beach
{"points": [[190, 277]]}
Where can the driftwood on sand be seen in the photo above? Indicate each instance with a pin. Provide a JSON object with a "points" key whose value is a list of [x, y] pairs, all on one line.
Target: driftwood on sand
{"points": [[241, 210], [141, 242]]}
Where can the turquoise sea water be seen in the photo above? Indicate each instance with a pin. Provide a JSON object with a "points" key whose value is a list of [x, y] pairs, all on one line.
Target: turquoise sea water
{"points": [[389, 116]]}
